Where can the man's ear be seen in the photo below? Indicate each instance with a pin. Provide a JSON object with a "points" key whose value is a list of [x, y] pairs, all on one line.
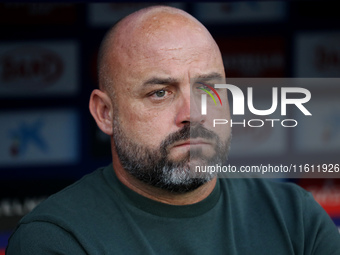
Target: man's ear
{"points": [[101, 110]]}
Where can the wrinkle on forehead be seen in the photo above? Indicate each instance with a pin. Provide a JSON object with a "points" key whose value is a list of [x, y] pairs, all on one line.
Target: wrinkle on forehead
{"points": [[171, 49]]}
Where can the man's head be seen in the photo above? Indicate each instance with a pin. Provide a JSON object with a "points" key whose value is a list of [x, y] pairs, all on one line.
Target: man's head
{"points": [[149, 66]]}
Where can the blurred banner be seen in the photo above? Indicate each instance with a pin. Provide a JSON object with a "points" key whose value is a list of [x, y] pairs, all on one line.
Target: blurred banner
{"points": [[38, 69], [243, 11], [38, 138], [318, 54]]}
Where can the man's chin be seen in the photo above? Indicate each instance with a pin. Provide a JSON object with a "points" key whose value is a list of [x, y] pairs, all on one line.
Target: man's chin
{"points": [[184, 187], [182, 178]]}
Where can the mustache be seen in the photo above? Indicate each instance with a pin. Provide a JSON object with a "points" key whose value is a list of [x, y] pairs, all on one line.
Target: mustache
{"points": [[192, 130]]}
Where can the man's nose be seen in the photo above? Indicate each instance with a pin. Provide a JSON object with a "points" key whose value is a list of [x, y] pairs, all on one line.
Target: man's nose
{"points": [[188, 109]]}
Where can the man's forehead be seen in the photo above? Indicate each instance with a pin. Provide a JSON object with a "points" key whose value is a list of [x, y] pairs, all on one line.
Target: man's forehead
{"points": [[165, 51], [152, 25], [162, 47]]}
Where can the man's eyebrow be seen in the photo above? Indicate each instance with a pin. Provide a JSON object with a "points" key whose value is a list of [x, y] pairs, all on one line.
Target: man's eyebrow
{"points": [[210, 76], [160, 81], [170, 80]]}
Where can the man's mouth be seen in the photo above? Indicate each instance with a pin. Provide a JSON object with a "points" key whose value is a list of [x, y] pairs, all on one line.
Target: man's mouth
{"points": [[191, 142]]}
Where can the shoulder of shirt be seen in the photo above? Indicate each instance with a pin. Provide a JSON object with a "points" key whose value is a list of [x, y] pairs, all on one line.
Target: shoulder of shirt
{"points": [[71, 200]]}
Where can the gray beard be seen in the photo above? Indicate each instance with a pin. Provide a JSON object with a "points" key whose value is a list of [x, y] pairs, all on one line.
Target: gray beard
{"points": [[153, 166]]}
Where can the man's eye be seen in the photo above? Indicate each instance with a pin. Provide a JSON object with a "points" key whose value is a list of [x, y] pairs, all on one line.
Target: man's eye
{"points": [[160, 93], [203, 86]]}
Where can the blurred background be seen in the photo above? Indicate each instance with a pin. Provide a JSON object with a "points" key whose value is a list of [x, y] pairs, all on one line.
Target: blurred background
{"points": [[48, 53]]}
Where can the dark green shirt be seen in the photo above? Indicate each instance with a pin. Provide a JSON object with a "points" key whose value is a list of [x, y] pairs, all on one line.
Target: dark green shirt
{"points": [[99, 215]]}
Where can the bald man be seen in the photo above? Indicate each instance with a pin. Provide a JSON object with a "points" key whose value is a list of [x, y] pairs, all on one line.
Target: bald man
{"points": [[149, 200]]}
